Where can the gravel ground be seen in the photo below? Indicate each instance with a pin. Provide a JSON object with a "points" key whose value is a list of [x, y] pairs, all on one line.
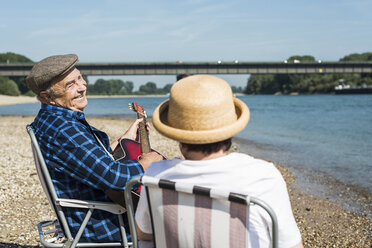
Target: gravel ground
{"points": [[23, 204]]}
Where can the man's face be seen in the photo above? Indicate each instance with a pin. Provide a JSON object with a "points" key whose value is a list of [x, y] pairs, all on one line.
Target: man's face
{"points": [[71, 92]]}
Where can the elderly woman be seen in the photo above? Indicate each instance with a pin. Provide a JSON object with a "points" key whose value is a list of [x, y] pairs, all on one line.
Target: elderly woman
{"points": [[203, 116]]}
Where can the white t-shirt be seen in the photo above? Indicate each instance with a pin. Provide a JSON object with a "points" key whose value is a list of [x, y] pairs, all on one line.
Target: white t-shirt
{"points": [[238, 173]]}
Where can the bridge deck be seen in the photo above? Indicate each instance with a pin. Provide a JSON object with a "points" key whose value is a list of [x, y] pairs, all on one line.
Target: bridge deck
{"points": [[202, 68]]}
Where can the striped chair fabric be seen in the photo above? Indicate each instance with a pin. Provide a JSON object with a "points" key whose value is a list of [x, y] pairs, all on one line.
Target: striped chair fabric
{"points": [[185, 215]]}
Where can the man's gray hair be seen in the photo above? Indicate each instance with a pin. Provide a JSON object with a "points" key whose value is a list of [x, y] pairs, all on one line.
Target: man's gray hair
{"points": [[50, 91]]}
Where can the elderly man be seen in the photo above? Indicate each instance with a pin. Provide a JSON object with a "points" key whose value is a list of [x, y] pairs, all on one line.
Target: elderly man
{"points": [[78, 156], [203, 115]]}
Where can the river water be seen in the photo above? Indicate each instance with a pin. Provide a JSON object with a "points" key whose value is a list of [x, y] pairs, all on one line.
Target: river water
{"points": [[330, 134]]}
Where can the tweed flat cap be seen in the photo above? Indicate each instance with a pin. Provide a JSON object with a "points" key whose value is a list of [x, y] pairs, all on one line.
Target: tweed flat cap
{"points": [[44, 72]]}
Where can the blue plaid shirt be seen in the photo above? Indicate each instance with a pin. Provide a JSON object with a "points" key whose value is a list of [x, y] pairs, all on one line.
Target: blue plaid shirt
{"points": [[81, 169]]}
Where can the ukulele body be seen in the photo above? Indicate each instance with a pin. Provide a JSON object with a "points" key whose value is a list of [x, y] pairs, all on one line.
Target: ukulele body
{"points": [[128, 149]]}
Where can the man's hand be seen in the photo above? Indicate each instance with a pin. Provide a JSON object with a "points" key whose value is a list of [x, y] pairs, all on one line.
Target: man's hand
{"points": [[131, 133], [146, 159]]}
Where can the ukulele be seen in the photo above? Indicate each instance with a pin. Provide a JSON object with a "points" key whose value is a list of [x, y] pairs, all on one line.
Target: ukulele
{"points": [[128, 149]]}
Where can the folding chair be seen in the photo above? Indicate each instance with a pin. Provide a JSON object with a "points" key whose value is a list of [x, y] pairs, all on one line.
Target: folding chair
{"points": [[185, 215], [62, 230]]}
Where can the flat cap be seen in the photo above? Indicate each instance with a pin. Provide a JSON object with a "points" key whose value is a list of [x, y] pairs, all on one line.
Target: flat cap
{"points": [[47, 70]]}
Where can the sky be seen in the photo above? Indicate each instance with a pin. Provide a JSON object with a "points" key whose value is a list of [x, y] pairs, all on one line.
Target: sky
{"points": [[190, 30]]}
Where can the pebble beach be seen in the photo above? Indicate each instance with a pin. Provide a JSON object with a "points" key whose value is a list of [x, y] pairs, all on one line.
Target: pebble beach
{"points": [[23, 204]]}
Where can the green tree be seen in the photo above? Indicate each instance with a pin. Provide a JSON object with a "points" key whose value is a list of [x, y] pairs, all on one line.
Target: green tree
{"points": [[8, 87], [30, 93], [128, 87], [304, 58], [110, 87], [357, 57], [13, 58], [236, 89], [90, 89], [261, 84], [148, 88], [107, 87], [166, 88], [99, 87], [21, 83], [360, 58]]}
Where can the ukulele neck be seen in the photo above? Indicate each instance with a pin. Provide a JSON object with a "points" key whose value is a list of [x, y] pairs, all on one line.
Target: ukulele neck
{"points": [[143, 135]]}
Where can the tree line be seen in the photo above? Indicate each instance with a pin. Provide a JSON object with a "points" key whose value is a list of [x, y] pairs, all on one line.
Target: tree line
{"points": [[307, 83], [119, 87]]}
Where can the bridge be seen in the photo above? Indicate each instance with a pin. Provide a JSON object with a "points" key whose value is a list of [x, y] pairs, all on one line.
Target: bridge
{"points": [[178, 68]]}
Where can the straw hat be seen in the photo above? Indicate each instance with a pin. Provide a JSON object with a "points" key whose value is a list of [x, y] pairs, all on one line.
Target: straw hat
{"points": [[201, 110]]}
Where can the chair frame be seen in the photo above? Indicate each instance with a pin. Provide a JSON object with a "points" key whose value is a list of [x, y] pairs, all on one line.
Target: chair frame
{"points": [[57, 204], [233, 197]]}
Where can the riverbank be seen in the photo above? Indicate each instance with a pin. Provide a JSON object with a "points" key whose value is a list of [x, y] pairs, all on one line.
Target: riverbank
{"points": [[351, 197], [11, 100], [22, 203]]}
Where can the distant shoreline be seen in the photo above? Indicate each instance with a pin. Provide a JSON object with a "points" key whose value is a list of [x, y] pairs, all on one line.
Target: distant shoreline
{"points": [[11, 100]]}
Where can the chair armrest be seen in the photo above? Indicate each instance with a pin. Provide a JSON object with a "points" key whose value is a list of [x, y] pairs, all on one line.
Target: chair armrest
{"points": [[106, 206]]}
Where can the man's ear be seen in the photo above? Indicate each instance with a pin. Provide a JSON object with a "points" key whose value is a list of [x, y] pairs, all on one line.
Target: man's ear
{"points": [[45, 97]]}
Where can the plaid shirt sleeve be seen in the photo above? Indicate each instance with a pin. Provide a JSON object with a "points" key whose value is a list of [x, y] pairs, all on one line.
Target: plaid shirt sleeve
{"points": [[87, 161]]}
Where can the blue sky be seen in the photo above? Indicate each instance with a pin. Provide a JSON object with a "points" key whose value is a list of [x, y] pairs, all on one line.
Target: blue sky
{"points": [[191, 30]]}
